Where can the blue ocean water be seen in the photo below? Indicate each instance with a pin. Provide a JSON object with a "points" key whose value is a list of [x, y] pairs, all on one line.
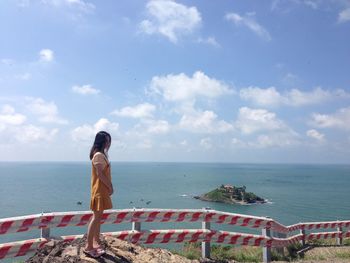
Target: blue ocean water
{"points": [[297, 193]]}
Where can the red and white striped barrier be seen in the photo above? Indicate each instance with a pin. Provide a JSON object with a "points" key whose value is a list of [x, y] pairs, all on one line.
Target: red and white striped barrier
{"points": [[318, 225], [26, 223], [191, 235], [21, 248], [81, 218], [326, 235]]}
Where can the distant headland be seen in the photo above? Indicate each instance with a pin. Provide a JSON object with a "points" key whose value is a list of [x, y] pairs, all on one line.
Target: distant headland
{"points": [[231, 195]]}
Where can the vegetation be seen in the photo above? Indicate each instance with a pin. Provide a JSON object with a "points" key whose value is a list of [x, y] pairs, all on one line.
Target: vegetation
{"points": [[231, 194], [221, 252], [254, 254]]}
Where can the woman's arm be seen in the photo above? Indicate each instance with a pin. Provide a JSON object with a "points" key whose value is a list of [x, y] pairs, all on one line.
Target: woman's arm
{"points": [[103, 178]]}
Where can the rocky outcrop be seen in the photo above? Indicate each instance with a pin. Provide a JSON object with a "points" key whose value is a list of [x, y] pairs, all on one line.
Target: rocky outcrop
{"points": [[231, 195], [116, 251]]}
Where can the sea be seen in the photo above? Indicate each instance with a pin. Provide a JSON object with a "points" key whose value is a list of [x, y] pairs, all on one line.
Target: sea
{"points": [[295, 192]]}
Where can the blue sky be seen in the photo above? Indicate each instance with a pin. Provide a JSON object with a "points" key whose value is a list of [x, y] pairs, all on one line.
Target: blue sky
{"points": [[201, 81]]}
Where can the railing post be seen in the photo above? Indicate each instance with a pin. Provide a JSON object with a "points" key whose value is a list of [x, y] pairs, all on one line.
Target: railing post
{"points": [[44, 231], [280, 250], [266, 250], [340, 237], [206, 245], [135, 226], [302, 241]]}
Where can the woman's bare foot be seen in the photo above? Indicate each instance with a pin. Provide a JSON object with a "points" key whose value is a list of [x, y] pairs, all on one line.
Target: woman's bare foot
{"points": [[94, 253]]}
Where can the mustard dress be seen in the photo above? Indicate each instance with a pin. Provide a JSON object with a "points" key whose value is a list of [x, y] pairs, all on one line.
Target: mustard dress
{"points": [[100, 198]]}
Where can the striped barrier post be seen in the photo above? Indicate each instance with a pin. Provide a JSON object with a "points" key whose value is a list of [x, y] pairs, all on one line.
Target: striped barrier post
{"points": [[266, 232], [44, 230], [135, 225], [340, 238], [302, 232], [280, 250], [206, 243]]}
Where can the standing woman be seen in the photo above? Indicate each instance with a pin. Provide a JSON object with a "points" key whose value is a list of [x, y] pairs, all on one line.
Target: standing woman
{"points": [[101, 190]]}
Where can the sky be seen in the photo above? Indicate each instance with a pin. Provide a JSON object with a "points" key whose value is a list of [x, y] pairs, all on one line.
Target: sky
{"points": [[176, 81]]}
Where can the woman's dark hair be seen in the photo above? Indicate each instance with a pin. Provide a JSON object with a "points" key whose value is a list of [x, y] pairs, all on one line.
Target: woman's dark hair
{"points": [[101, 139]]}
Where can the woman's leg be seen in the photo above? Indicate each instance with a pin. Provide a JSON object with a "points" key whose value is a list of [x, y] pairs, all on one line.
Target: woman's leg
{"points": [[96, 239], [93, 228]]}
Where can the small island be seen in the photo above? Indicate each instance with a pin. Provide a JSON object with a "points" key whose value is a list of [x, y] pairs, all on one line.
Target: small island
{"points": [[231, 195]]}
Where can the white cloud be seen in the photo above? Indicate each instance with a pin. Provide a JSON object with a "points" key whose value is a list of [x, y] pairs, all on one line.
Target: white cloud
{"points": [[31, 133], [181, 87], [47, 111], [157, 126], [46, 55], [273, 139], [238, 143], [286, 6], [87, 132], [206, 143], [12, 127], [339, 120], [210, 41], [83, 6], [295, 97], [315, 134], [249, 22], [143, 110], [313, 4], [254, 120], [8, 116], [204, 122], [262, 97], [279, 139], [170, 19], [145, 144], [85, 90], [344, 15]]}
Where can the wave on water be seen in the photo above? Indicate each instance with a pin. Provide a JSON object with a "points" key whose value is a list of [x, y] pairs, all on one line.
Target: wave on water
{"points": [[188, 195], [269, 202]]}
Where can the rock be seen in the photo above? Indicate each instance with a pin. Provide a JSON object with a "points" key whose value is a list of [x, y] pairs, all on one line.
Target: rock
{"points": [[116, 251]]}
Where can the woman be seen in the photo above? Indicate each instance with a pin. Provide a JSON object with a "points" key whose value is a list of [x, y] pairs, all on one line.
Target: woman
{"points": [[101, 190]]}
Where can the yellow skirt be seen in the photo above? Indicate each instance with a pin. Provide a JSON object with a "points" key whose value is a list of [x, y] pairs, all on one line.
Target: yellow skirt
{"points": [[99, 203]]}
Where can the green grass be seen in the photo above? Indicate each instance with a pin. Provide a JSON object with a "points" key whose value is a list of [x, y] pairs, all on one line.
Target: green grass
{"points": [[244, 253], [346, 242], [190, 251], [328, 242], [221, 252], [343, 255], [247, 254]]}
